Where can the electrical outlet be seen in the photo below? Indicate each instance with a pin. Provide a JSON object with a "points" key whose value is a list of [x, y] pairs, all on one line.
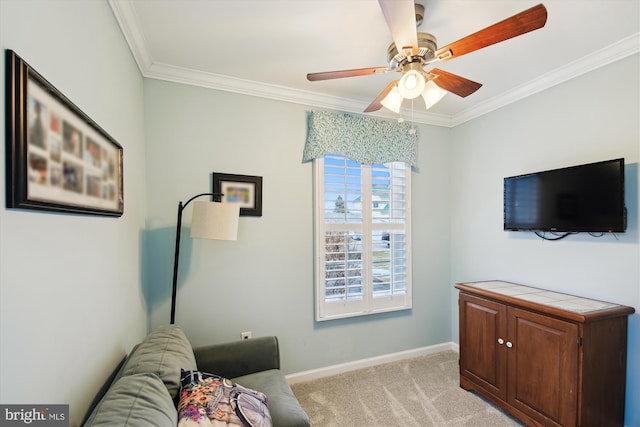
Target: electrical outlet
{"points": [[245, 335]]}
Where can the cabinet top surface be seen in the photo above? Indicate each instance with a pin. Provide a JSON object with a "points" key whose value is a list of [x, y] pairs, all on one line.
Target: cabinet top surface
{"points": [[541, 296]]}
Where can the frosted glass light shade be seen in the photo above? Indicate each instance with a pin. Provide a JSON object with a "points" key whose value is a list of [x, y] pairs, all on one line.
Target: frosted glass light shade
{"points": [[432, 94], [411, 84], [393, 100], [213, 220]]}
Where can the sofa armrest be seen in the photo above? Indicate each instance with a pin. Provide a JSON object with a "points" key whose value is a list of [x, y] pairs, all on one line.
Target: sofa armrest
{"points": [[237, 358]]}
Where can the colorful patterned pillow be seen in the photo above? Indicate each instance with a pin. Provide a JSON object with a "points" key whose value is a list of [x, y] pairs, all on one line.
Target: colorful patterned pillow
{"points": [[210, 400]]}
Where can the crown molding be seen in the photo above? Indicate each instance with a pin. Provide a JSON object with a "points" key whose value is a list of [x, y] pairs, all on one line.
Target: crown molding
{"points": [[172, 73], [615, 52], [149, 68], [130, 26]]}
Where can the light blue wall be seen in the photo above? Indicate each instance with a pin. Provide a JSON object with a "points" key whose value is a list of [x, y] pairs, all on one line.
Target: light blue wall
{"points": [[591, 118], [263, 282], [70, 299], [70, 285]]}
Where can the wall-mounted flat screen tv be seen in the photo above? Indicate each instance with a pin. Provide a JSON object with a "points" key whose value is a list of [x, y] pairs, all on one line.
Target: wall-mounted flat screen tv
{"points": [[584, 198]]}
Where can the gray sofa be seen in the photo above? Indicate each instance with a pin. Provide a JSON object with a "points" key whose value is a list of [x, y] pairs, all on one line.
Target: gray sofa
{"points": [[144, 390]]}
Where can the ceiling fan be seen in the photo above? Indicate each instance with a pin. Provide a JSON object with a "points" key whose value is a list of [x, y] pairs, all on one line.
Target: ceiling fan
{"points": [[412, 51]]}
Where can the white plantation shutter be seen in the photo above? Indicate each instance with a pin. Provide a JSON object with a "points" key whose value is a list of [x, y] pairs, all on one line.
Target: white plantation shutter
{"points": [[362, 229]]}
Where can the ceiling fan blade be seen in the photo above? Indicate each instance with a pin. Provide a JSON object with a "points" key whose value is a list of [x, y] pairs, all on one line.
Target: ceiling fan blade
{"points": [[521, 23], [401, 20], [454, 83], [328, 75], [376, 105]]}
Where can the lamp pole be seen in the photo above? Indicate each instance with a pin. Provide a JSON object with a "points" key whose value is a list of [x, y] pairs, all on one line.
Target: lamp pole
{"points": [[177, 252]]}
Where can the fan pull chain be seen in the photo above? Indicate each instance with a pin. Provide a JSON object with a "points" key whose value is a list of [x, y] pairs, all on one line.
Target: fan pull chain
{"points": [[413, 122]]}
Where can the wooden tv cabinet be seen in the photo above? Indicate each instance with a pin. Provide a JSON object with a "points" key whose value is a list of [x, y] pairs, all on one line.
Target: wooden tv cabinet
{"points": [[549, 359]]}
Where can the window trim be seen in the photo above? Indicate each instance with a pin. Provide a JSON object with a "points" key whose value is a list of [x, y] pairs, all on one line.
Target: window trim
{"points": [[368, 304]]}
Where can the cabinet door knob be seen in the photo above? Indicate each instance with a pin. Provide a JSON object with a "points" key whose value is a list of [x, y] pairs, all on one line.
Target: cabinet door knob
{"points": [[509, 344], [500, 341]]}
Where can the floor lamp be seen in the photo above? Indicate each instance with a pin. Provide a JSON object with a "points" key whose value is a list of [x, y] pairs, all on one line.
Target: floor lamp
{"points": [[210, 220]]}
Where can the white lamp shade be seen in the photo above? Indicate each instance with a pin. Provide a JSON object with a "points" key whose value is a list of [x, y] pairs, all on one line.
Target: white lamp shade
{"points": [[411, 84], [393, 100], [213, 220], [432, 94]]}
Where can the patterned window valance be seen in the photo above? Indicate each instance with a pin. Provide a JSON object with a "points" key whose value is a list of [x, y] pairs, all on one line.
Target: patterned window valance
{"points": [[366, 140]]}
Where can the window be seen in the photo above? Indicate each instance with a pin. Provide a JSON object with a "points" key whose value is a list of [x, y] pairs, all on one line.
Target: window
{"points": [[362, 235]]}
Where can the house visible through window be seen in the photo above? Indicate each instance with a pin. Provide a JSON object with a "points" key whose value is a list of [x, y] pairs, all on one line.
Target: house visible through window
{"points": [[362, 230]]}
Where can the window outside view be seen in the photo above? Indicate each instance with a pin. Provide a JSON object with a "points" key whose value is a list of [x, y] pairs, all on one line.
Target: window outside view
{"points": [[364, 219]]}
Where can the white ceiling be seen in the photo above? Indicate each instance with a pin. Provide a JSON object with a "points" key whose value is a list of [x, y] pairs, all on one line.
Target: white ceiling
{"points": [[266, 48]]}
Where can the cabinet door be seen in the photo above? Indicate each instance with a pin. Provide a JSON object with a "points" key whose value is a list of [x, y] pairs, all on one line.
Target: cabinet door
{"points": [[483, 325], [543, 366]]}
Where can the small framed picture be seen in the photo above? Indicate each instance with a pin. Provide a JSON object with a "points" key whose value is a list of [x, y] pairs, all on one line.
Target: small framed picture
{"points": [[58, 159], [243, 189]]}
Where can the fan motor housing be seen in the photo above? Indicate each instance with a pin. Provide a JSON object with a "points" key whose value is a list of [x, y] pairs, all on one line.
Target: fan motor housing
{"points": [[427, 46]]}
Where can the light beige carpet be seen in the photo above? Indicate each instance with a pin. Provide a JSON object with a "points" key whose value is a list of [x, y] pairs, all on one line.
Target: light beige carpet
{"points": [[421, 392]]}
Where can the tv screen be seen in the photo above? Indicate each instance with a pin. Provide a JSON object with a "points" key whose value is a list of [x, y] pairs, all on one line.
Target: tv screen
{"points": [[584, 198]]}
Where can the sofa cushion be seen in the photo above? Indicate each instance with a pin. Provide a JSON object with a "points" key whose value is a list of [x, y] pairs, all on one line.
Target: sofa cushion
{"points": [[139, 400], [211, 400], [164, 352], [283, 405]]}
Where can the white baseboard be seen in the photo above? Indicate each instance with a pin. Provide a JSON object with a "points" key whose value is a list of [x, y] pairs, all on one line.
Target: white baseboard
{"points": [[315, 374]]}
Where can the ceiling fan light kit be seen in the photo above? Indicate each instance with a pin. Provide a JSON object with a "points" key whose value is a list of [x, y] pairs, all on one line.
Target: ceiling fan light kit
{"points": [[432, 94], [393, 100], [411, 51], [411, 84]]}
